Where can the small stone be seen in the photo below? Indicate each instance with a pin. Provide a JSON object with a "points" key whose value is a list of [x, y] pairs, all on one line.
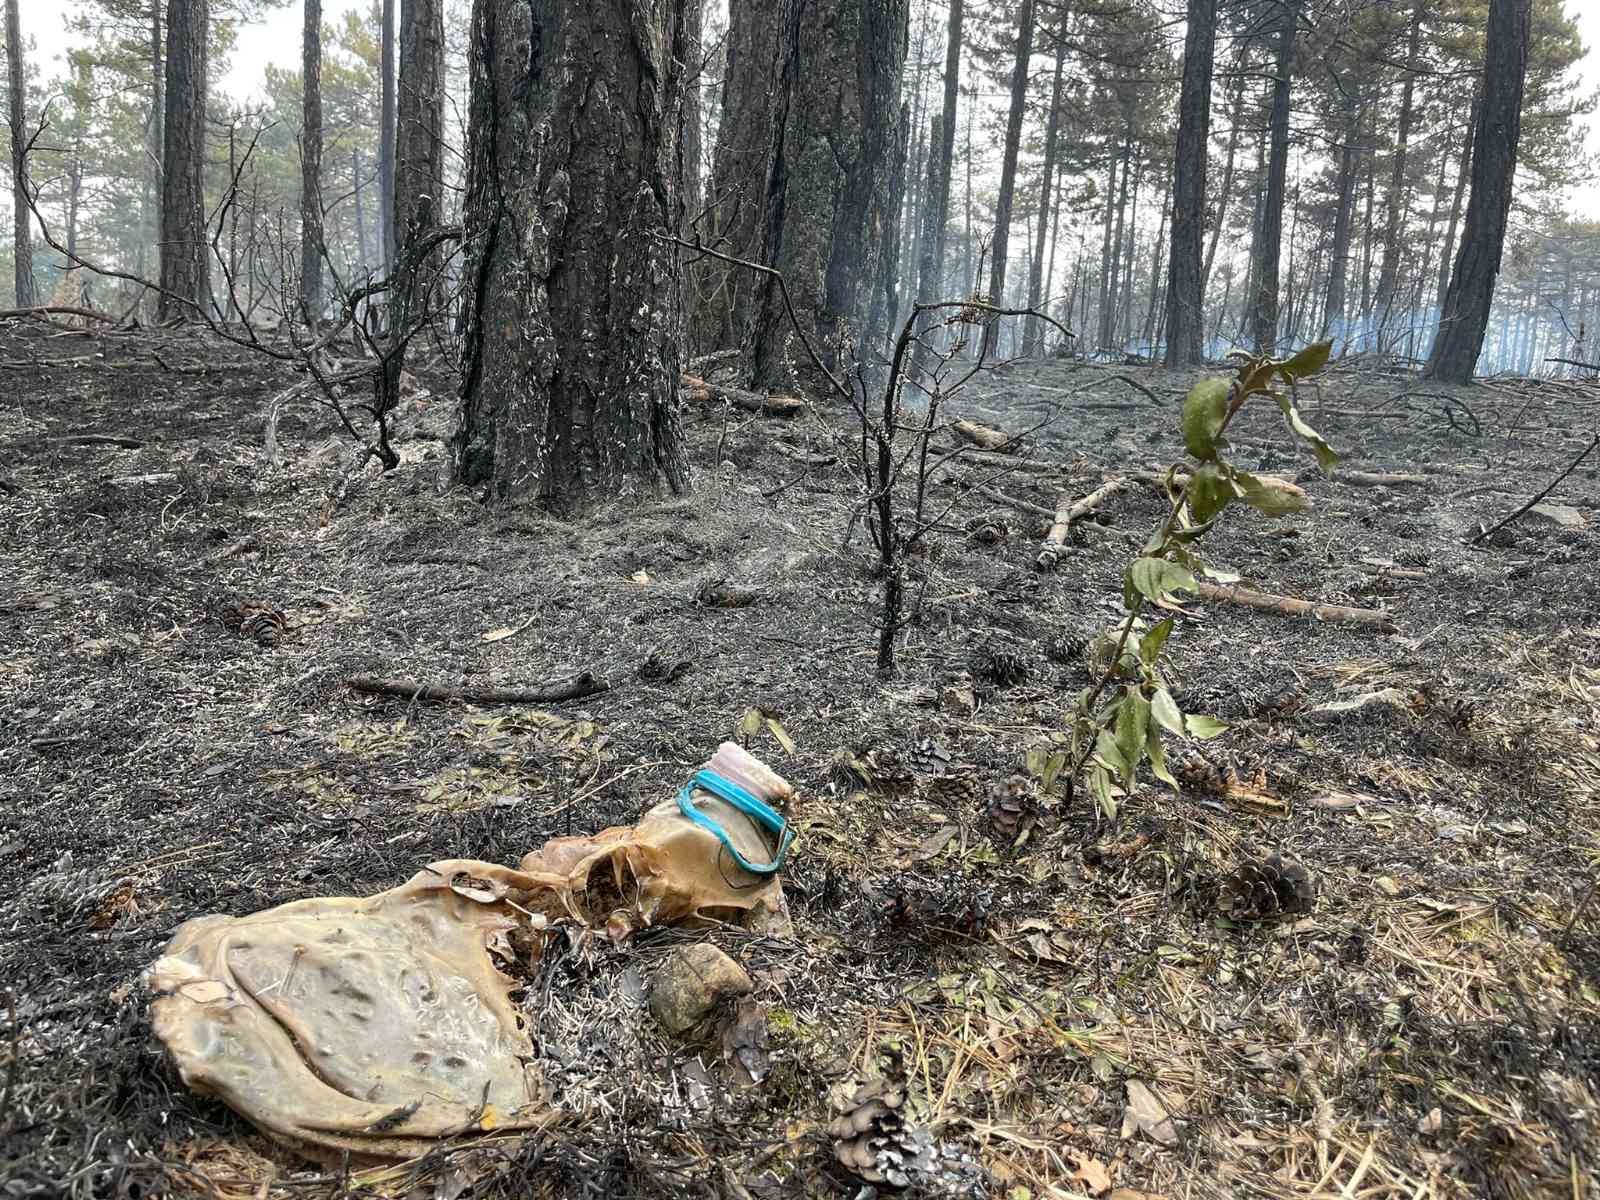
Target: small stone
{"points": [[1563, 515], [692, 982]]}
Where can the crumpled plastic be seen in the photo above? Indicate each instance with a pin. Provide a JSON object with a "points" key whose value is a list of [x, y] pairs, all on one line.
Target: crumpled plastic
{"points": [[377, 1025]]}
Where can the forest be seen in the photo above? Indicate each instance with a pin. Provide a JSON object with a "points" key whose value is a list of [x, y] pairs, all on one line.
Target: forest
{"points": [[788, 598]]}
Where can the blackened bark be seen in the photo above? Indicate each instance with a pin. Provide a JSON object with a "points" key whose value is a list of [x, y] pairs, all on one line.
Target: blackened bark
{"points": [[829, 215], [930, 269], [311, 166], [22, 240], [388, 234], [1463, 173], [1033, 335], [1008, 170], [735, 220], [690, 60], [1264, 310], [419, 120], [570, 355], [1339, 264], [1395, 200], [1184, 322], [1465, 314], [946, 147], [185, 273]]}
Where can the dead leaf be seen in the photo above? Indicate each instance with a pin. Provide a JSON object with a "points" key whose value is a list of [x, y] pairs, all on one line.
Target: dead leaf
{"points": [[930, 846], [1388, 885], [1342, 801], [1431, 1123], [505, 631], [1148, 1115], [640, 577], [1090, 1172], [782, 734]]}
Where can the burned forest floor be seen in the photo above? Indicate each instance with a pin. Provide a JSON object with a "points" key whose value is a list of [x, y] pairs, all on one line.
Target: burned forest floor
{"points": [[1076, 1014]]}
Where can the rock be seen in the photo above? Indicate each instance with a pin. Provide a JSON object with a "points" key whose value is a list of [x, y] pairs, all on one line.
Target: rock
{"points": [[692, 982], [1563, 515]]}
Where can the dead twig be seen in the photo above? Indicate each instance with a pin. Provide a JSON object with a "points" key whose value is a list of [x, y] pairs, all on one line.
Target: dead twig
{"points": [[573, 687], [1550, 487], [1068, 511], [1288, 606]]}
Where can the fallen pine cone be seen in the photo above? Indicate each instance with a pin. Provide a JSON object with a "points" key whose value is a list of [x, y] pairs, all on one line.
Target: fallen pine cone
{"points": [[1274, 887], [872, 1140], [258, 620], [1000, 663], [1012, 810]]}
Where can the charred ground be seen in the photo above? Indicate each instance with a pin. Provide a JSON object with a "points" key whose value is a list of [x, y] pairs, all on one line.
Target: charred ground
{"points": [[1433, 1023]]}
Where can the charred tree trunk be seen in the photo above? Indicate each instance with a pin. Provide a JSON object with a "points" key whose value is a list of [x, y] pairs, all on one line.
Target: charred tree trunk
{"points": [[389, 236], [689, 133], [1033, 335], [829, 215], [735, 221], [570, 354], [419, 121], [311, 167], [1264, 309], [1465, 314], [930, 268], [1463, 173], [1185, 287], [942, 148], [22, 239], [185, 273], [1395, 201], [1339, 262], [1008, 170]]}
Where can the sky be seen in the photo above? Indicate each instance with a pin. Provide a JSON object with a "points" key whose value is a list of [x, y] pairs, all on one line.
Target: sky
{"points": [[277, 41]]}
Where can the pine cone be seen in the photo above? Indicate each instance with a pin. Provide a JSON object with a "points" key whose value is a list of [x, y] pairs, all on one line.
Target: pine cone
{"points": [[872, 1140], [259, 620], [1067, 649], [1273, 887], [1411, 556], [880, 767], [1198, 773], [1000, 663], [956, 793], [956, 911], [1012, 810]]}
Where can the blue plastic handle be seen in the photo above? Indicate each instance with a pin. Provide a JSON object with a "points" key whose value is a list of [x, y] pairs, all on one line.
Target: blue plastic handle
{"points": [[764, 815]]}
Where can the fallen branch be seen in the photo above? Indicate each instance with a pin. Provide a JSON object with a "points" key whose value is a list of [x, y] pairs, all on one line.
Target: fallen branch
{"points": [[983, 436], [1374, 479], [700, 391], [1571, 467], [1288, 606], [1068, 511], [574, 687], [60, 310], [1016, 502], [966, 454], [100, 439]]}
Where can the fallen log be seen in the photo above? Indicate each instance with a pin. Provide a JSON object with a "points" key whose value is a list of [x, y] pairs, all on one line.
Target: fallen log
{"points": [[59, 310], [700, 391], [1288, 606], [985, 437], [1374, 478], [1068, 511], [573, 687]]}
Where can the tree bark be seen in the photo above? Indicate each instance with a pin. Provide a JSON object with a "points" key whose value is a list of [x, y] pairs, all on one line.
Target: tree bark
{"points": [[689, 151], [1185, 287], [1264, 309], [829, 214], [389, 236], [22, 240], [150, 194], [1339, 261], [185, 267], [947, 143], [418, 179], [570, 354], [311, 166], [1395, 201], [1033, 335], [1463, 173], [1225, 192], [1465, 314], [999, 248]]}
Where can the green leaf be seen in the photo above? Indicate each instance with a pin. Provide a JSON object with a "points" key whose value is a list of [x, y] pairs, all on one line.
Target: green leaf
{"points": [[1052, 770], [1204, 410], [1133, 726], [1274, 497], [1106, 748], [1166, 712], [782, 734], [1153, 578], [1210, 491], [1150, 647], [1100, 785], [1158, 760], [1326, 458], [1200, 726], [1308, 362]]}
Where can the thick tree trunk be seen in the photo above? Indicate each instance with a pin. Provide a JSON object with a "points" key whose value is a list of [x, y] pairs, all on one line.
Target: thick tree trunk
{"points": [[185, 268], [1395, 201], [1033, 335], [389, 235], [1339, 261], [1008, 170], [1185, 287], [22, 240], [419, 121], [311, 166], [735, 222], [570, 354], [829, 214], [1466, 307], [1264, 309]]}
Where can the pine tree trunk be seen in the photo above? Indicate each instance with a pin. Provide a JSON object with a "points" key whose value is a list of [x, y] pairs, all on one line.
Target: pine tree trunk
{"points": [[928, 270], [150, 206], [386, 138], [735, 222], [22, 240], [1463, 173], [689, 147], [1107, 220], [185, 273], [1113, 306], [311, 167], [1366, 225], [1339, 259], [1466, 307], [418, 178], [570, 354], [829, 215], [1394, 201], [359, 199], [1185, 286], [1033, 335], [1225, 192], [1008, 169], [946, 149], [1264, 310]]}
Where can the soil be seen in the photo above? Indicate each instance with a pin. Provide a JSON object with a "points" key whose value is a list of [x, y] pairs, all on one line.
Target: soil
{"points": [[1431, 1027]]}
